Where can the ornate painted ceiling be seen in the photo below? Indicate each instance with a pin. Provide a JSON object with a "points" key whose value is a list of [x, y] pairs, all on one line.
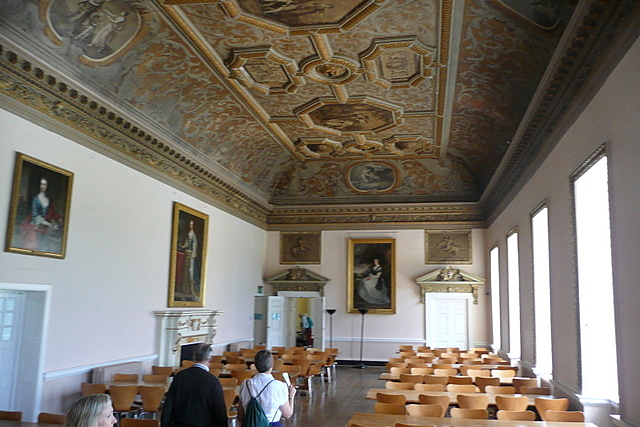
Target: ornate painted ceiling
{"points": [[311, 112]]}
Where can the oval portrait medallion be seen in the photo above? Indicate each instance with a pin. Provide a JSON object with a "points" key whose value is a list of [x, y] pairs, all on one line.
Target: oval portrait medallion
{"points": [[372, 176]]}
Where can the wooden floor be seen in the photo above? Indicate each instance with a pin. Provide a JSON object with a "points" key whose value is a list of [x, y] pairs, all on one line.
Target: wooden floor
{"points": [[331, 405]]}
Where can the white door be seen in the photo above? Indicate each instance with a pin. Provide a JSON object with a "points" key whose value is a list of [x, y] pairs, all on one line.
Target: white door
{"points": [[11, 314], [275, 322], [447, 320]]}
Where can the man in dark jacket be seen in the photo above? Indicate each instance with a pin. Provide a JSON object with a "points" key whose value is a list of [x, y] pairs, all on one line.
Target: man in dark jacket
{"points": [[195, 398]]}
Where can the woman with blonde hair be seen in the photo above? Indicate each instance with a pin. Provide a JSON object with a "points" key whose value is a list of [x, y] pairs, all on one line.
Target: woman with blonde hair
{"points": [[94, 410]]}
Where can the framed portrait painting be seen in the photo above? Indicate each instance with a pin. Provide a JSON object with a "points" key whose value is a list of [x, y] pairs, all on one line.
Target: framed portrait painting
{"points": [[447, 247], [371, 280], [39, 211], [300, 248], [187, 276]]}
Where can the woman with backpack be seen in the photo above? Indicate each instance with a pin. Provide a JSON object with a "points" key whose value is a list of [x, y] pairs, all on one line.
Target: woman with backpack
{"points": [[263, 399]]}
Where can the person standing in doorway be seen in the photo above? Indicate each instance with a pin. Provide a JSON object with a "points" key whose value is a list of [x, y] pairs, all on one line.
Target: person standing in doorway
{"points": [[307, 329]]}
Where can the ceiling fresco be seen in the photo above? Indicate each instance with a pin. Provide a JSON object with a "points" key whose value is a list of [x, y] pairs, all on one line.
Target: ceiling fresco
{"points": [[302, 102]]}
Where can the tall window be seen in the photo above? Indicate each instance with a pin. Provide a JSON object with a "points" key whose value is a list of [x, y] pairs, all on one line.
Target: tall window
{"points": [[514, 295], [595, 282], [541, 290], [495, 296]]}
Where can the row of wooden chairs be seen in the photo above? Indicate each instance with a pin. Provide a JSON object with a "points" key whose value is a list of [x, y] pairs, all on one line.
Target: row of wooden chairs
{"points": [[43, 417]]}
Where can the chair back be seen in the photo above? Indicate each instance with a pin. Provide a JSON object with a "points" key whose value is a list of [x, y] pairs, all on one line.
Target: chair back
{"points": [[543, 404], [187, 363], [483, 382], [411, 378], [130, 378], [516, 415], [88, 388], [566, 416], [435, 379], [242, 374], [398, 399], [228, 382], [398, 371], [518, 382], [428, 387], [235, 366], [11, 415], [162, 370], [394, 385], [497, 389], [49, 418], [475, 414], [424, 410], [445, 372], [122, 397], [389, 408], [462, 388], [473, 401], [229, 400], [442, 366], [460, 379], [441, 400], [512, 403], [503, 373], [473, 373], [151, 397]]}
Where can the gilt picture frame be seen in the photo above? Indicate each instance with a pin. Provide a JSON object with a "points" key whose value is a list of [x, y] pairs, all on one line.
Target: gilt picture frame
{"points": [[371, 281], [300, 247], [448, 247], [187, 272], [39, 209]]}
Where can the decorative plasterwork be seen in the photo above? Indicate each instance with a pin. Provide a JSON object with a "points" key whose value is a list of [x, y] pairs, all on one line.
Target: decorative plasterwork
{"points": [[289, 17], [336, 70], [449, 280], [397, 62], [298, 279], [359, 115], [403, 145], [265, 70]]}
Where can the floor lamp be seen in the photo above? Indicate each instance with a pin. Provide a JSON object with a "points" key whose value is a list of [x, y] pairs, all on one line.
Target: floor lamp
{"points": [[362, 311], [331, 311]]}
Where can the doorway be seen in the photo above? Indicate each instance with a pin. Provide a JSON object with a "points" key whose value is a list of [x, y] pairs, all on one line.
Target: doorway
{"points": [[24, 310], [448, 320]]}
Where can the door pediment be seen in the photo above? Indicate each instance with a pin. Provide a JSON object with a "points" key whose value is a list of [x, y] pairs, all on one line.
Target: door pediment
{"points": [[449, 279], [298, 279]]}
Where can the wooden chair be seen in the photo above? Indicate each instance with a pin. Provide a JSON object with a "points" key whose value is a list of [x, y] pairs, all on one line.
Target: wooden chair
{"points": [[122, 397], [445, 372], [566, 416], [49, 418], [394, 385], [497, 389], [11, 415], [422, 365], [405, 348], [471, 362], [406, 425], [292, 369], [155, 378], [424, 410], [407, 354], [460, 379], [414, 359], [503, 373], [512, 403], [242, 374], [442, 366], [187, 363], [462, 388], [469, 414], [397, 399], [130, 378], [421, 371], [473, 373], [398, 371], [216, 365], [88, 388], [447, 360], [162, 370], [396, 360], [535, 390], [543, 404], [411, 378], [518, 382], [138, 422], [152, 397], [473, 401], [516, 415], [228, 382], [423, 349], [277, 364], [428, 399], [483, 382], [218, 358], [215, 371], [389, 408], [390, 365], [236, 366], [429, 387], [435, 379], [229, 402]]}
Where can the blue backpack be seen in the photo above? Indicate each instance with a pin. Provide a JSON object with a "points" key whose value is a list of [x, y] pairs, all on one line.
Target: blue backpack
{"points": [[254, 415]]}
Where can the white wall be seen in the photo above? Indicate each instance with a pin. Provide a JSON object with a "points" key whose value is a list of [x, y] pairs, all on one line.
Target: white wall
{"points": [[613, 117], [382, 332], [116, 270]]}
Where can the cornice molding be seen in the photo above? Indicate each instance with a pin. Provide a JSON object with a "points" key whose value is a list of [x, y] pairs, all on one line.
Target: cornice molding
{"points": [[34, 88]]}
